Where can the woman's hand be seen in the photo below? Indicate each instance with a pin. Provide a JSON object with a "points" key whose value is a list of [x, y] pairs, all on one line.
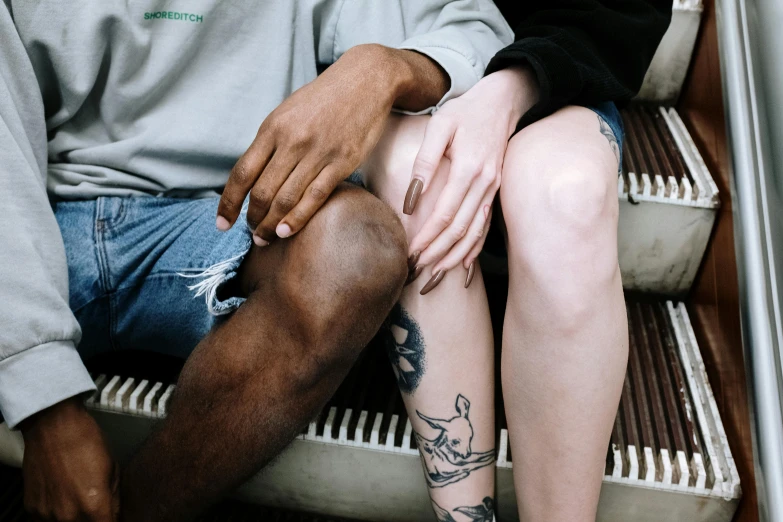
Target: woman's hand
{"points": [[472, 131]]}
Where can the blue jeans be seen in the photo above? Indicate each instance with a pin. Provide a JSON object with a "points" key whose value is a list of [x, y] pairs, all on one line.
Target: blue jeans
{"points": [[144, 272]]}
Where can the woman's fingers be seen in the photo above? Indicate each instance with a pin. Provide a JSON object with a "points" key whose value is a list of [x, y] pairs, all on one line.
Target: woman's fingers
{"points": [[437, 137], [472, 243], [472, 256], [464, 178], [460, 227]]}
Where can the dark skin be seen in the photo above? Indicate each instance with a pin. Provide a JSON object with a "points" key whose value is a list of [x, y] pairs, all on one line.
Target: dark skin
{"points": [[64, 442], [303, 151], [322, 133]]}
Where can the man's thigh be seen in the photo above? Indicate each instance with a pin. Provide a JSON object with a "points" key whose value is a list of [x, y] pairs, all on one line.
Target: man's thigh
{"points": [[145, 273]]}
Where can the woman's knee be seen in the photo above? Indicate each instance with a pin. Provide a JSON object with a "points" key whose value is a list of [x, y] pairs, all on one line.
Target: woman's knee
{"points": [[561, 220]]}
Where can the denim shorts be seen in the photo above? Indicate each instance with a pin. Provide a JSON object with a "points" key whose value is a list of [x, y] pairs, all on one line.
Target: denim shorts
{"points": [[144, 272], [609, 113]]}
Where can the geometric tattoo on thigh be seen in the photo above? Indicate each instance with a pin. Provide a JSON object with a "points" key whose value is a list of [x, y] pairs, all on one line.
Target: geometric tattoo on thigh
{"points": [[484, 512], [405, 348], [606, 130], [449, 458]]}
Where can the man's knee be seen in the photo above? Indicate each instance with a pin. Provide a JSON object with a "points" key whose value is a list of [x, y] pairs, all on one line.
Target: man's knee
{"points": [[342, 273]]}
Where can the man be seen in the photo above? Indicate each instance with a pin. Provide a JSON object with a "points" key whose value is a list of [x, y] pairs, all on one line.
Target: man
{"points": [[106, 104]]}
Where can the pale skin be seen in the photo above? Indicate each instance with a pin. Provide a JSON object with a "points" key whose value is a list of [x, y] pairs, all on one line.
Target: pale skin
{"points": [[565, 334]]}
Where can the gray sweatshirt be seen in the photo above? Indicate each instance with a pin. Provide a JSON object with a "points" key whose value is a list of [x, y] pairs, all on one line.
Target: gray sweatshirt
{"points": [[152, 97]]}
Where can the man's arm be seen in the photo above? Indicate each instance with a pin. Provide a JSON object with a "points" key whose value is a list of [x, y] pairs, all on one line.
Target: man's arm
{"points": [[39, 365], [409, 55], [67, 469]]}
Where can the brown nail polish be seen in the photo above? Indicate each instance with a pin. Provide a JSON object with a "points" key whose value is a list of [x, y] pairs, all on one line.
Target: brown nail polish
{"points": [[433, 282], [414, 274], [412, 197], [413, 259], [471, 272]]}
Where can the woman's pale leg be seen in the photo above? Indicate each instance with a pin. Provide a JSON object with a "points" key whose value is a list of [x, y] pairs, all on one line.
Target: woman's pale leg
{"points": [[565, 338], [441, 349]]}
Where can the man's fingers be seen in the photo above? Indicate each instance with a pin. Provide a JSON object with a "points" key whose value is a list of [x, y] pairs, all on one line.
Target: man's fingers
{"points": [[315, 195], [266, 188], [437, 137], [287, 198], [243, 176]]}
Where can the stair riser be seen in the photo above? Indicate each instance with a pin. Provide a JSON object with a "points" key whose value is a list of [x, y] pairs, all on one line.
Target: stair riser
{"points": [[666, 75]]}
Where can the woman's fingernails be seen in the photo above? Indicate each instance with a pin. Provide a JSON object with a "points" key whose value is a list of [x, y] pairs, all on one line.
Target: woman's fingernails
{"points": [[222, 224], [412, 197], [433, 282], [260, 241], [413, 259], [413, 274], [471, 272], [283, 230]]}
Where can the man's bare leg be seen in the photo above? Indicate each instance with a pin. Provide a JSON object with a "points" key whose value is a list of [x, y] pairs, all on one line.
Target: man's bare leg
{"points": [[565, 339], [440, 346], [314, 301]]}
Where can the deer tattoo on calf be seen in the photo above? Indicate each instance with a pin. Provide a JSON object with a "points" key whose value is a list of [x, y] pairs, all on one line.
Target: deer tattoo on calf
{"points": [[449, 458]]}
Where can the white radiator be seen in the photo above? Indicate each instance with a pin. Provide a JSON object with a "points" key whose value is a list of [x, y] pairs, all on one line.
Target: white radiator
{"points": [[668, 459]]}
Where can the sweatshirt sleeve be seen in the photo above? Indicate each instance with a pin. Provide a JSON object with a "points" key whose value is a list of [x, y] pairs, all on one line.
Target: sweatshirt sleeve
{"points": [[460, 35], [39, 364], [585, 51]]}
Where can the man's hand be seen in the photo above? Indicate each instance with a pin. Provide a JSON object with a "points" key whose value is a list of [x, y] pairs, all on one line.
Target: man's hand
{"points": [[67, 470], [472, 131], [319, 135]]}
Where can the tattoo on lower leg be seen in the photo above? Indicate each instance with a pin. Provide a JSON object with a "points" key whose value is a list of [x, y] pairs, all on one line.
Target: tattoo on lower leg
{"points": [[484, 512], [449, 457], [405, 347], [608, 133]]}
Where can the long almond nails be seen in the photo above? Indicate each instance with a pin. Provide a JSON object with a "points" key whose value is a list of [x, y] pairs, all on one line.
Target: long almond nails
{"points": [[433, 282], [413, 274], [412, 197], [413, 259], [471, 273]]}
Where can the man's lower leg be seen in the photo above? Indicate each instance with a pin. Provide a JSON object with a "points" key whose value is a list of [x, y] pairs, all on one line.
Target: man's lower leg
{"points": [[256, 380]]}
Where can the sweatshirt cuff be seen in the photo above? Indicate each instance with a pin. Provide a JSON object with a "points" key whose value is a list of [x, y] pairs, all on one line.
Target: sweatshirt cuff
{"points": [[558, 78], [39, 377], [459, 68]]}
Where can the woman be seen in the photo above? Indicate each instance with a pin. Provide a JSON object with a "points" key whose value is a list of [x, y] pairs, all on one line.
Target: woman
{"points": [[541, 129]]}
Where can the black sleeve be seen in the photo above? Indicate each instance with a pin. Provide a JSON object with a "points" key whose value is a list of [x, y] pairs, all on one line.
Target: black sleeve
{"points": [[583, 51]]}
